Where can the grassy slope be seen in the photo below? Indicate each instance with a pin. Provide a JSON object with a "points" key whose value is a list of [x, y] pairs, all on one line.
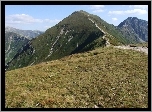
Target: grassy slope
{"points": [[78, 26], [106, 77]]}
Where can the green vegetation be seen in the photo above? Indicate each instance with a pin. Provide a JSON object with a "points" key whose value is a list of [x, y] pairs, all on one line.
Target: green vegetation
{"points": [[100, 42], [76, 33], [69, 36], [107, 77]]}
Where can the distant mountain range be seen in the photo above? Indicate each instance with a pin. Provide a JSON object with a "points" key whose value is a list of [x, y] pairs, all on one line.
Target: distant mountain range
{"points": [[26, 33], [13, 42], [15, 39], [79, 32]]}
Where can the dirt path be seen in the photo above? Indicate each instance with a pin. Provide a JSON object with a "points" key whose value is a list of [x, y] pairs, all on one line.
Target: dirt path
{"points": [[141, 49], [107, 40]]}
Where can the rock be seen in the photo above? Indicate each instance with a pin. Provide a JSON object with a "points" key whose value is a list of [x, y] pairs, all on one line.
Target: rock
{"points": [[96, 106]]}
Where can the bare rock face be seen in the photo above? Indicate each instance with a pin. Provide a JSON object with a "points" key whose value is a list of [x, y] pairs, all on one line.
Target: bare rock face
{"points": [[135, 29]]}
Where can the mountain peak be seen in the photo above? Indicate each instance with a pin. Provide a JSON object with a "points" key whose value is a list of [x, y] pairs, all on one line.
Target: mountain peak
{"points": [[132, 18], [82, 11], [135, 27]]}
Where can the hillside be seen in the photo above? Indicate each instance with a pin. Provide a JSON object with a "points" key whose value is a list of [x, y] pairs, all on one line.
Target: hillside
{"points": [[13, 42], [29, 34], [105, 77], [135, 29], [79, 32]]}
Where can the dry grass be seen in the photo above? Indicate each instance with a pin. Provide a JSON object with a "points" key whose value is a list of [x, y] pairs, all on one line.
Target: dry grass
{"points": [[107, 77], [144, 44]]}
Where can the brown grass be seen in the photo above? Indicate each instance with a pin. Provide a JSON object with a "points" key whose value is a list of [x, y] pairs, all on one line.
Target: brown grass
{"points": [[108, 77]]}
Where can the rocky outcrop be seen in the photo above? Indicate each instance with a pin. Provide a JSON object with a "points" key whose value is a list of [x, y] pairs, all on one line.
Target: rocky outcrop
{"points": [[135, 29]]}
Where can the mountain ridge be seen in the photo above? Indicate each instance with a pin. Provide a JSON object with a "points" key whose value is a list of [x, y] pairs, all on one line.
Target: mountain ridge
{"points": [[79, 32], [26, 33]]}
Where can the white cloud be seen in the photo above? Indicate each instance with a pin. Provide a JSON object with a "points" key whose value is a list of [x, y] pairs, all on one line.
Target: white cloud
{"points": [[51, 21], [115, 12], [139, 6], [114, 19], [22, 18], [96, 6], [26, 19], [134, 11], [96, 11]]}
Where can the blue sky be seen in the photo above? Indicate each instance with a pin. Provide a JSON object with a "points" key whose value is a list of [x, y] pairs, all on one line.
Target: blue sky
{"points": [[42, 17]]}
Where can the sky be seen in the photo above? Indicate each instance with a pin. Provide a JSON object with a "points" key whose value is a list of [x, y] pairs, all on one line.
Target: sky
{"points": [[42, 17]]}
